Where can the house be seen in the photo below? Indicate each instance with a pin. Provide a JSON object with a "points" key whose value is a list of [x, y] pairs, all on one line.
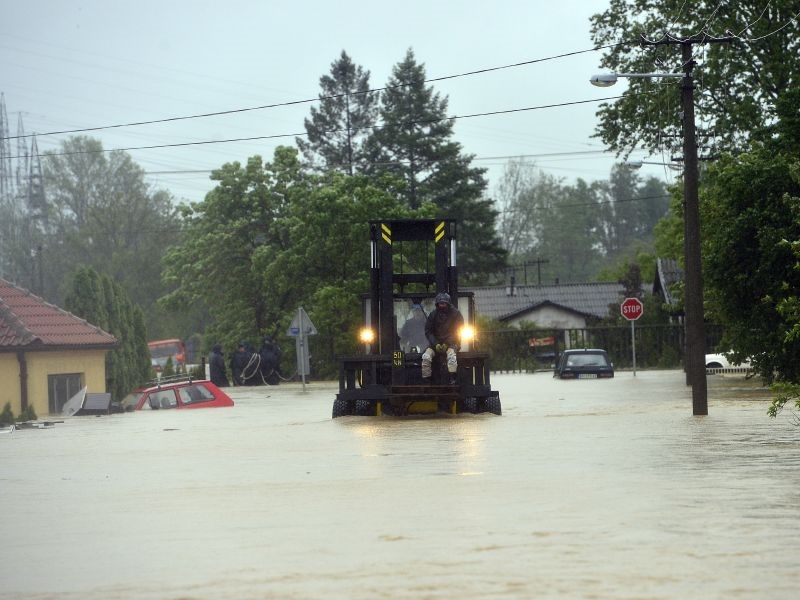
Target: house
{"points": [[558, 306], [46, 354], [668, 273]]}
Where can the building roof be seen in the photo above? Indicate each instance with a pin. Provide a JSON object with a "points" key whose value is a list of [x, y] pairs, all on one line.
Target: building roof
{"points": [[588, 299], [667, 273], [28, 322]]}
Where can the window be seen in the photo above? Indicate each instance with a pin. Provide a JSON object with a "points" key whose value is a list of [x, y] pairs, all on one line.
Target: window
{"points": [[586, 360], [162, 399], [131, 401], [192, 394], [60, 388]]}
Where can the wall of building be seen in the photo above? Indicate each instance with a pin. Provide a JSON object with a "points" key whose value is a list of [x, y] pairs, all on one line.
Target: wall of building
{"points": [[9, 381], [91, 364], [547, 317]]}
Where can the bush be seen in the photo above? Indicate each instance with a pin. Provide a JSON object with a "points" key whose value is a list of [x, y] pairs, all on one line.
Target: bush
{"points": [[27, 415], [6, 417], [169, 368]]}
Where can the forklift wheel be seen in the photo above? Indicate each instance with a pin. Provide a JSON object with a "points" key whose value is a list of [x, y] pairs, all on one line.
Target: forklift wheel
{"points": [[493, 405], [340, 408], [365, 408]]}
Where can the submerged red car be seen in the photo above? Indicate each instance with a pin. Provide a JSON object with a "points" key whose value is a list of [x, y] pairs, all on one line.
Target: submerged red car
{"points": [[176, 394]]}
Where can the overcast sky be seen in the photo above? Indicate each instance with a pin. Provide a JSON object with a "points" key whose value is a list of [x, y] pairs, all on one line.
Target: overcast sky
{"points": [[90, 63]]}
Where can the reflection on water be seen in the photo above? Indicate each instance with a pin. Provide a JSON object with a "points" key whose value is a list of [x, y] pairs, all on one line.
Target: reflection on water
{"points": [[606, 489]]}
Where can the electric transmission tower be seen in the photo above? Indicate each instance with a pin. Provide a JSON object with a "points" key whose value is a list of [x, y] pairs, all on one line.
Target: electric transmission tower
{"points": [[23, 210]]}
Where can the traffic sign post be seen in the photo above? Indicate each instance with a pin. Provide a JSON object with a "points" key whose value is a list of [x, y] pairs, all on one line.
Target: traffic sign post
{"points": [[300, 328], [632, 309]]}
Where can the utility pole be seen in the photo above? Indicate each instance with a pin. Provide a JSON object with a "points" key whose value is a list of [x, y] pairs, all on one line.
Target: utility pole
{"points": [[693, 296]]}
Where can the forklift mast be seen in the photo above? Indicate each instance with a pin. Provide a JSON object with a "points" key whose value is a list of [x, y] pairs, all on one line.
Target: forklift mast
{"points": [[387, 279]]}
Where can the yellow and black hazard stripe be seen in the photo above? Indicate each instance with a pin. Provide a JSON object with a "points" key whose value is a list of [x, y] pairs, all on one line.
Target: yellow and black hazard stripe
{"points": [[439, 232], [386, 233]]}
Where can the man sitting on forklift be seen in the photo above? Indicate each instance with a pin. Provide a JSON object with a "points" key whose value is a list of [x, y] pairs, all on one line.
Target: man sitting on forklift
{"points": [[442, 330]]}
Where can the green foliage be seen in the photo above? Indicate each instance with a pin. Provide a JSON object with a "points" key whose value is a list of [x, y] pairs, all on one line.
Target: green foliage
{"points": [[229, 237], [27, 414], [103, 303], [198, 372], [641, 258], [338, 129], [271, 238], [169, 368], [741, 83], [415, 137], [101, 213], [668, 231], [582, 229], [785, 393], [509, 348], [7, 416], [751, 211], [412, 152]]}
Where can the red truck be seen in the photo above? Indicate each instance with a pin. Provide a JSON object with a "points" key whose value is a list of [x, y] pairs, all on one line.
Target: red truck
{"points": [[162, 350]]}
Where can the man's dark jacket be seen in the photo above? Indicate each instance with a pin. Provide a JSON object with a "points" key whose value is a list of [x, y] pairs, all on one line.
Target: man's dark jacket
{"points": [[443, 326]]}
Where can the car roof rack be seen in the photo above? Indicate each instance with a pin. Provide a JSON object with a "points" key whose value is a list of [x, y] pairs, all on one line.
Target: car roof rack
{"points": [[177, 378]]}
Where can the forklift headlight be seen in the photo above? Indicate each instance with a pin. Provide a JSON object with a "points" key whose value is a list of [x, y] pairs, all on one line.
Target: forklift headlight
{"points": [[366, 335], [467, 334]]}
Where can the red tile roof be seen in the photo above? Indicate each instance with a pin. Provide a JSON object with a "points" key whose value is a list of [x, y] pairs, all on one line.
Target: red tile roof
{"points": [[28, 322]]}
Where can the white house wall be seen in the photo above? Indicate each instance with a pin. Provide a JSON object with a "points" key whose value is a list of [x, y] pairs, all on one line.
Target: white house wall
{"points": [[548, 317]]}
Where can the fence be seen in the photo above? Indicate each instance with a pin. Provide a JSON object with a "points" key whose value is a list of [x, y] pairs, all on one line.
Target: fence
{"points": [[657, 346]]}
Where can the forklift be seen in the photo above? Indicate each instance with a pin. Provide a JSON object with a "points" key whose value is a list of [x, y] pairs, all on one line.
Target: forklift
{"points": [[411, 261]]}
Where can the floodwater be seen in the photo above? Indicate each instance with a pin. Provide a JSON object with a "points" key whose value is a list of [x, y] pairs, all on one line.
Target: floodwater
{"points": [[582, 489]]}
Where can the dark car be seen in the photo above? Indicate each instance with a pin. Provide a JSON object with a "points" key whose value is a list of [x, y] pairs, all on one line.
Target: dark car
{"points": [[176, 394], [588, 363]]}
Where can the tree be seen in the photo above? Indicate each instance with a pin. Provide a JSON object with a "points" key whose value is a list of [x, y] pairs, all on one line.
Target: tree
{"points": [[789, 308], [518, 224], [102, 302], [324, 265], [102, 213], [347, 111], [751, 212], [741, 82], [415, 144], [271, 238], [216, 266], [579, 230], [569, 233]]}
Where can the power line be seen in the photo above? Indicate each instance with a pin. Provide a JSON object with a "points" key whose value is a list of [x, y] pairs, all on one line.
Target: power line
{"points": [[474, 158], [309, 100], [286, 135], [592, 203], [792, 19]]}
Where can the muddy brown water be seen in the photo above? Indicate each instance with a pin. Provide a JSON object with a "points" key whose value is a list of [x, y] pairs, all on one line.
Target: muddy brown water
{"points": [[582, 489]]}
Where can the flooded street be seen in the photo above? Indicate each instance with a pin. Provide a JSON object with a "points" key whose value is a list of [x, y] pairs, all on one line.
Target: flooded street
{"points": [[582, 489]]}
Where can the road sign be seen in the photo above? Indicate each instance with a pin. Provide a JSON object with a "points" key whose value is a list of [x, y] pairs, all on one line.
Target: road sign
{"points": [[301, 324], [300, 328], [631, 308]]}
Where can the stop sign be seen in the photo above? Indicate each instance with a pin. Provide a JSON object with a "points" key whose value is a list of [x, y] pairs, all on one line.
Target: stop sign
{"points": [[631, 308]]}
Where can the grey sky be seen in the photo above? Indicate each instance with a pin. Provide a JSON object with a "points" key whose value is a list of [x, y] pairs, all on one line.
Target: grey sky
{"points": [[87, 63]]}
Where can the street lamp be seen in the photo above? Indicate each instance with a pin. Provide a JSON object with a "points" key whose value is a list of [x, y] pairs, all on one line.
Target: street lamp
{"points": [[637, 164], [609, 79], [693, 295]]}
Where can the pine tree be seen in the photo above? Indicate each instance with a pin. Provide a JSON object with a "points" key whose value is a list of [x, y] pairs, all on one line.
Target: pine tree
{"points": [[338, 128], [415, 144], [103, 302]]}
